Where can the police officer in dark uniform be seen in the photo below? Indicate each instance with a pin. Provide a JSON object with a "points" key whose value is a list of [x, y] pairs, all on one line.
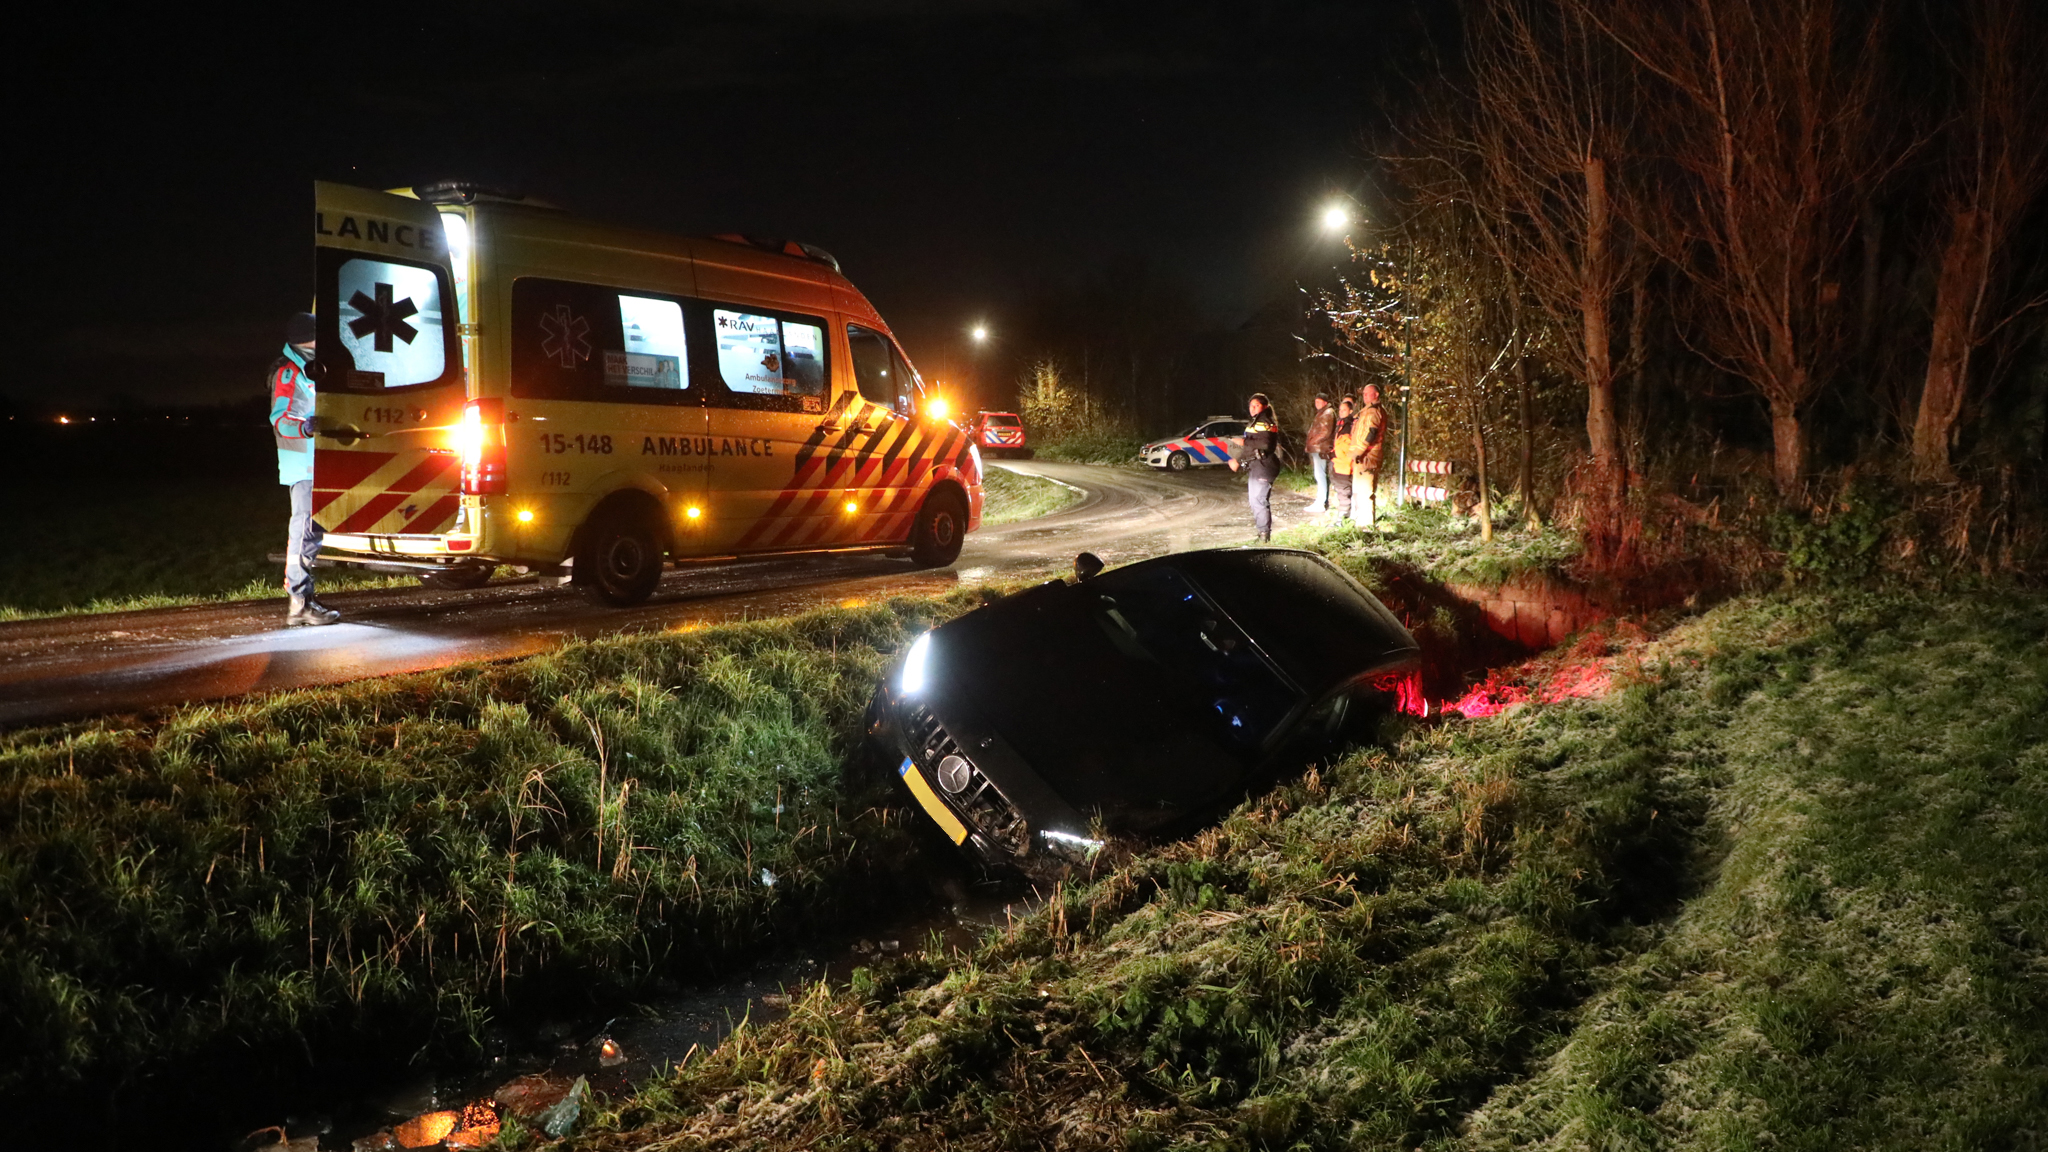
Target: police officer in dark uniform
{"points": [[1259, 456]]}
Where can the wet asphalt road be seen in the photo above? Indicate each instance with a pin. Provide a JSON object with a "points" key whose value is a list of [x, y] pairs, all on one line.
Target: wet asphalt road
{"points": [[68, 667]]}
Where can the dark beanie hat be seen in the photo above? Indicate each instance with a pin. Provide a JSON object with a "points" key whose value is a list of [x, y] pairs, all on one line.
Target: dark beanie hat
{"points": [[300, 329]]}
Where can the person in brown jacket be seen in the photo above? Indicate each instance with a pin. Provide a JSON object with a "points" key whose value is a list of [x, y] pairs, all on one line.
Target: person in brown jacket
{"points": [[1369, 444], [1341, 459], [1322, 435]]}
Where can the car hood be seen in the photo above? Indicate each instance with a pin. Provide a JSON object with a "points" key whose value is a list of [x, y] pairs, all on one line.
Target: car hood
{"points": [[1107, 738]]}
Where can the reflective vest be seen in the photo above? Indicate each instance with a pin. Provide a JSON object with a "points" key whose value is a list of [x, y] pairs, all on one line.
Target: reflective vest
{"points": [[291, 404]]}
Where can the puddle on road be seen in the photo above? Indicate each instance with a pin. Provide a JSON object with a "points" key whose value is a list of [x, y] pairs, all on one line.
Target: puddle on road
{"points": [[542, 1077]]}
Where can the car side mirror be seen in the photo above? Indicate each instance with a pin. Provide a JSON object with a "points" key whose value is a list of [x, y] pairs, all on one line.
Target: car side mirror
{"points": [[1086, 565]]}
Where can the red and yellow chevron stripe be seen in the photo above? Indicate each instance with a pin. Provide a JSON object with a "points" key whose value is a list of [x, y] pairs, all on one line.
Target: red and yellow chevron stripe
{"points": [[396, 493], [891, 466]]}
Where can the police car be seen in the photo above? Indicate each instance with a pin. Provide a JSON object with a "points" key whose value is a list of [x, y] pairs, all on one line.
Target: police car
{"points": [[999, 434], [1210, 443]]}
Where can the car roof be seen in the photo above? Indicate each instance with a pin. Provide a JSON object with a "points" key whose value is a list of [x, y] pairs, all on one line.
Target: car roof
{"points": [[1321, 626]]}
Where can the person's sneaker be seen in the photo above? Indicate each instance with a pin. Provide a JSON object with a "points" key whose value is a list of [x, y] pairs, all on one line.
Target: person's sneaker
{"points": [[308, 612]]}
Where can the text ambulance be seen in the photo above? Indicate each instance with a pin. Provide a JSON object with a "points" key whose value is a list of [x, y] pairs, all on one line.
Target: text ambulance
{"points": [[503, 384]]}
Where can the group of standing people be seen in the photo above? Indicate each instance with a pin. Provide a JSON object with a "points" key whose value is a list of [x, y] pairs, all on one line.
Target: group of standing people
{"points": [[1345, 445]]}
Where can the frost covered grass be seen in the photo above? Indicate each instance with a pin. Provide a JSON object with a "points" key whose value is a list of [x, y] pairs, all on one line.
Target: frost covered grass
{"points": [[408, 857], [1435, 544], [1008, 497], [1782, 887]]}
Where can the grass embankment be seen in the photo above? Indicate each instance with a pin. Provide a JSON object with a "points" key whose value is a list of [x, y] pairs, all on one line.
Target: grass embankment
{"points": [[406, 856], [1432, 543], [1096, 446], [178, 542], [154, 545], [1782, 887], [1008, 497]]}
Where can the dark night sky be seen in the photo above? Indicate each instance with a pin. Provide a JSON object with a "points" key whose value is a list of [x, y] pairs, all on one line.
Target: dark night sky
{"points": [[957, 156]]}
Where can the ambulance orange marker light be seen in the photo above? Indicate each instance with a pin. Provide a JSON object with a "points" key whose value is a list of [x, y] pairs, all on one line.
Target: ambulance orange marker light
{"points": [[526, 515], [852, 507], [937, 408], [693, 512]]}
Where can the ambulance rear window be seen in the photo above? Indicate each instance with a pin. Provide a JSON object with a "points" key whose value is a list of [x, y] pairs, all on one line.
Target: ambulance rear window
{"points": [[384, 323]]}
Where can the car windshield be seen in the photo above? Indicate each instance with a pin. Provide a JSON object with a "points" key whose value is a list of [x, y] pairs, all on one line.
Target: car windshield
{"points": [[1002, 421], [1159, 617]]}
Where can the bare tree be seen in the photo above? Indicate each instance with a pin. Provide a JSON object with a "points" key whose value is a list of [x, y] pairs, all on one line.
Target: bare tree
{"points": [[1996, 165], [1552, 116], [1768, 111]]}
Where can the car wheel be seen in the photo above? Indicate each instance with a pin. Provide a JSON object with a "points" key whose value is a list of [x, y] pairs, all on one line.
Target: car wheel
{"points": [[1178, 462], [619, 560], [460, 578], [940, 529]]}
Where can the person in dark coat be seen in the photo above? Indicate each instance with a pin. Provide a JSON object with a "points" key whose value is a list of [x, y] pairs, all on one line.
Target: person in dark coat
{"points": [[1320, 445], [1258, 456]]}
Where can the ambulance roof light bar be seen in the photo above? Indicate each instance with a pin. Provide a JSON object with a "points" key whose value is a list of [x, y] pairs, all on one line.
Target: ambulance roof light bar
{"points": [[795, 248], [470, 192]]}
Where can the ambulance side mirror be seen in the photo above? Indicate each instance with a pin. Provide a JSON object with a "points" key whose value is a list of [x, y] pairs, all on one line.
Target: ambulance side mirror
{"points": [[1087, 565]]}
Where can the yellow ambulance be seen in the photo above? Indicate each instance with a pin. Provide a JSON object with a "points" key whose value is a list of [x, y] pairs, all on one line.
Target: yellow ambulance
{"points": [[500, 383]]}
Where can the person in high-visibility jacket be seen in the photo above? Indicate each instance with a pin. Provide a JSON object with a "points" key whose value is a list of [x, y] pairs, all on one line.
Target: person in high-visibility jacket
{"points": [[1341, 460], [293, 423], [1369, 444]]}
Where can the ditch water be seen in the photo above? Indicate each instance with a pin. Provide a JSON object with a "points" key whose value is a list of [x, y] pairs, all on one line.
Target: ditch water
{"points": [[612, 1049]]}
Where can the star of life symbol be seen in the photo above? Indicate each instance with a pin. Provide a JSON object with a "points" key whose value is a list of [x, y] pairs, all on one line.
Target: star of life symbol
{"points": [[565, 335], [383, 317]]}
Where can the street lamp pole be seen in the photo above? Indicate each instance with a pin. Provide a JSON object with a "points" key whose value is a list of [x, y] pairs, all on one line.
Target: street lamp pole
{"points": [[1407, 395]]}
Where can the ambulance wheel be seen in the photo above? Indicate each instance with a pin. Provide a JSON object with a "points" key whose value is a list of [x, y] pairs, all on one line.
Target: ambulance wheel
{"points": [[1178, 462], [940, 529], [460, 578], [619, 560]]}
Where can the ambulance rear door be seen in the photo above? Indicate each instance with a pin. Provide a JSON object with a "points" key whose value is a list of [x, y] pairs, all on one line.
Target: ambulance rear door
{"points": [[390, 373]]}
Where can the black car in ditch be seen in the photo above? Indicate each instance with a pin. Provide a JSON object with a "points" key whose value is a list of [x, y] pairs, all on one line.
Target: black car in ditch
{"points": [[1138, 701]]}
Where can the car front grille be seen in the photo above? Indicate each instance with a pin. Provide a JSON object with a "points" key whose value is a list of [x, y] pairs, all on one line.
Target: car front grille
{"points": [[981, 802]]}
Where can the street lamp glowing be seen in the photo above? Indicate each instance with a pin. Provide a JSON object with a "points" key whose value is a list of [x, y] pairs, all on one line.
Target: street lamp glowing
{"points": [[980, 333], [1335, 217]]}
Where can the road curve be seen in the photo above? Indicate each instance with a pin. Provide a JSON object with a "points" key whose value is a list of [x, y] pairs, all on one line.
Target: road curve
{"points": [[72, 666]]}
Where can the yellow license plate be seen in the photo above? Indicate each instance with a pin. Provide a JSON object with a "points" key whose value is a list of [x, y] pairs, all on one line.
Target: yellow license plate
{"points": [[933, 806]]}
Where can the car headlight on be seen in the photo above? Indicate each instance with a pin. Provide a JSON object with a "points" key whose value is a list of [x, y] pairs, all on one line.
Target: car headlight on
{"points": [[1070, 842], [911, 680]]}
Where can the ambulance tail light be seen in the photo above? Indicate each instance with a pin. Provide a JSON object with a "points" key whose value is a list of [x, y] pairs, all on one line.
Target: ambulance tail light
{"points": [[480, 444]]}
